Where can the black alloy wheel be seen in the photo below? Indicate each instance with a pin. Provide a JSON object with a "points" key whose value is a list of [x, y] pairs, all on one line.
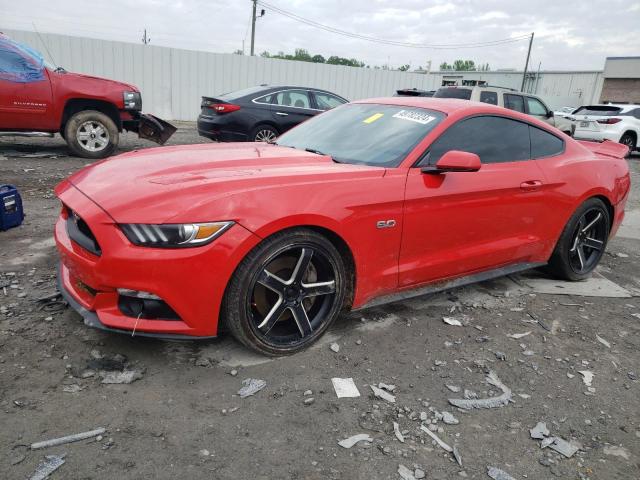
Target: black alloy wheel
{"points": [[582, 242], [286, 292], [589, 238]]}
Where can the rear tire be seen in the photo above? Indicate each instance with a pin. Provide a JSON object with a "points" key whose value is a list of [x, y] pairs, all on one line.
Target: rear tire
{"points": [[630, 140], [91, 134], [285, 293], [582, 242], [263, 133]]}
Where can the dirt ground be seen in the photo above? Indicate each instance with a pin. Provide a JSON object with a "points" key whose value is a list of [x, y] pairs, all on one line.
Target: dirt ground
{"points": [[184, 419]]}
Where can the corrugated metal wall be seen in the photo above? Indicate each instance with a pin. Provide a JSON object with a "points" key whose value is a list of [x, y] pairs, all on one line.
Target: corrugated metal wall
{"points": [[173, 80]]}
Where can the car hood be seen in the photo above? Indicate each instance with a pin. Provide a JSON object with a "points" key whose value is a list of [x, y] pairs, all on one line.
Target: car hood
{"points": [[125, 86], [198, 183]]}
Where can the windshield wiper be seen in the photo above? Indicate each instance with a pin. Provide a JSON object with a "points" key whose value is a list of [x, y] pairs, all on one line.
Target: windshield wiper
{"points": [[312, 150], [318, 152]]}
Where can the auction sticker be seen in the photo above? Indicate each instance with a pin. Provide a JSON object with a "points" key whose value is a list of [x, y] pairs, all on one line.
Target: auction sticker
{"points": [[414, 116]]}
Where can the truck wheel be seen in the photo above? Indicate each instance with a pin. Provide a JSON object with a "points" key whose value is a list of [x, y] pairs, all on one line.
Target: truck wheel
{"points": [[91, 134]]}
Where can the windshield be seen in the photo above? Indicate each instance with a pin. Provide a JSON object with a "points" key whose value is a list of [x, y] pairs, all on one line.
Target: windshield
{"points": [[598, 110], [453, 92], [369, 134]]}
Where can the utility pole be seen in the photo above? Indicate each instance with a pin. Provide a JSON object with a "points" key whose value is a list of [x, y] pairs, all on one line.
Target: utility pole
{"points": [[146, 40], [253, 25], [526, 65]]}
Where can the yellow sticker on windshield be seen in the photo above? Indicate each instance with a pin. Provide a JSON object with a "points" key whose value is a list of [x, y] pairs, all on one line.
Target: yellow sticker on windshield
{"points": [[373, 118]]}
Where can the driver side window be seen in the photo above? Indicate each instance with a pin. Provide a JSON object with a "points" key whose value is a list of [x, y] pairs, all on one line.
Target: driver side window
{"points": [[493, 139]]}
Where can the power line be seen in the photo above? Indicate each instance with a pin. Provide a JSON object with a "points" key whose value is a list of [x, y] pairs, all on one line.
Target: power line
{"points": [[338, 31]]}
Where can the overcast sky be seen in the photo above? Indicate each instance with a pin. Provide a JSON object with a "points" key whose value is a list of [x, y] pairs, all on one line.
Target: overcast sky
{"points": [[568, 34]]}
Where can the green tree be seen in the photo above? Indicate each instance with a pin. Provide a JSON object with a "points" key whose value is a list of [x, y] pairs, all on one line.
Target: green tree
{"points": [[238, 52], [445, 66], [318, 59], [404, 68], [464, 65]]}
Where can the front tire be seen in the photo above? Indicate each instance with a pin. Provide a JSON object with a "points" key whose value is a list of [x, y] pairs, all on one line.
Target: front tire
{"points": [[285, 293], [582, 242], [91, 134]]}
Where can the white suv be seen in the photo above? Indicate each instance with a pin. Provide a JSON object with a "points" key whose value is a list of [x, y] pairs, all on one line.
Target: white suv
{"points": [[616, 122], [511, 99]]}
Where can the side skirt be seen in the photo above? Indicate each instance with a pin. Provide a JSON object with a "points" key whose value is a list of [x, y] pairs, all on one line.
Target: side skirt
{"points": [[448, 285]]}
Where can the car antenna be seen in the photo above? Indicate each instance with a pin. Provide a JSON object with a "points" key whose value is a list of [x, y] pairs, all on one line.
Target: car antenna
{"points": [[44, 44]]}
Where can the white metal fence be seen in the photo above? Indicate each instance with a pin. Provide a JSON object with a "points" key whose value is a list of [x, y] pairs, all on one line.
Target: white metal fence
{"points": [[173, 80]]}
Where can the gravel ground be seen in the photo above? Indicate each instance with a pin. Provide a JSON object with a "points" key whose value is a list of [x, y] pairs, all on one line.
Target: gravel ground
{"points": [[182, 416]]}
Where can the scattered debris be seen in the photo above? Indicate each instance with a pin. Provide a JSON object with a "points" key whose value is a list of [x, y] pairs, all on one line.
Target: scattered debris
{"points": [[456, 455], [380, 393], [204, 452], [561, 446], [351, 441], [500, 356], [518, 335], [73, 388], [309, 400], [540, 431], [587, 377], [405, 473], [452, 321], [68, 439], [603, 341], [443, 445], [125, 377], [334, 347], [616, 451], [396, 430], [251, 387], [345, 388], [449, 419], [387, 387], [493, 402], [453, 388], [49, 465], [498, 474]]}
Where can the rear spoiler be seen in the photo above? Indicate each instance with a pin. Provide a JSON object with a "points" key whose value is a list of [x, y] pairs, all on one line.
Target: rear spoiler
{"points": [[606, 148]]}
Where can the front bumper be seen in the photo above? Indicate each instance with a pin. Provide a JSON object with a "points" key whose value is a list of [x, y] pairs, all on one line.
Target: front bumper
{"points": [[190, 281], [147, 126]]}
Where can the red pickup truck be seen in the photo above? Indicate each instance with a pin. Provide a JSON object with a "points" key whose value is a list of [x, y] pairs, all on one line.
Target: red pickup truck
{"points": [[37, 99]]}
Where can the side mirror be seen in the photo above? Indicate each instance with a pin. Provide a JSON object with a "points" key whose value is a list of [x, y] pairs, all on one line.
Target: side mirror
{"points": [[455, 161], [550, 114]]}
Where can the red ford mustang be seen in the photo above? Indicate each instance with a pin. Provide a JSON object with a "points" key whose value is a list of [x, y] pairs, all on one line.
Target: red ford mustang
{"points": [[368, 203]]}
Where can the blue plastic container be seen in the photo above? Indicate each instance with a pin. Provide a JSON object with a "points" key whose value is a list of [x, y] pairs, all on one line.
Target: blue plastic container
{"points": [[11, 213]]}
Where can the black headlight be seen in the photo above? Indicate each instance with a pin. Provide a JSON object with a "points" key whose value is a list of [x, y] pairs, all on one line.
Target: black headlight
{"points": [[132, 100]]}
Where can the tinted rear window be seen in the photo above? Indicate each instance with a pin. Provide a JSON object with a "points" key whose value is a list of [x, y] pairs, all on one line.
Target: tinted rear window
{"points": [[242, 93], [544, 144], [461, 93], [598, 110]]}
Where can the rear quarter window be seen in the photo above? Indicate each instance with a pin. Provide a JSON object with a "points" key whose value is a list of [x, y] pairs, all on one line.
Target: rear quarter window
{"points": [[514, 102], [489, 97], [544, 144]]}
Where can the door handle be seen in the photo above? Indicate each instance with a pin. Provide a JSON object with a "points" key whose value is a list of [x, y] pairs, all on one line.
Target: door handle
{"points": [[531, 185], [282, 114]]}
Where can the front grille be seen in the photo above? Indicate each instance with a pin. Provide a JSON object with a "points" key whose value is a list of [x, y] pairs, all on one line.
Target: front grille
{"points": [[80, 233]]}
